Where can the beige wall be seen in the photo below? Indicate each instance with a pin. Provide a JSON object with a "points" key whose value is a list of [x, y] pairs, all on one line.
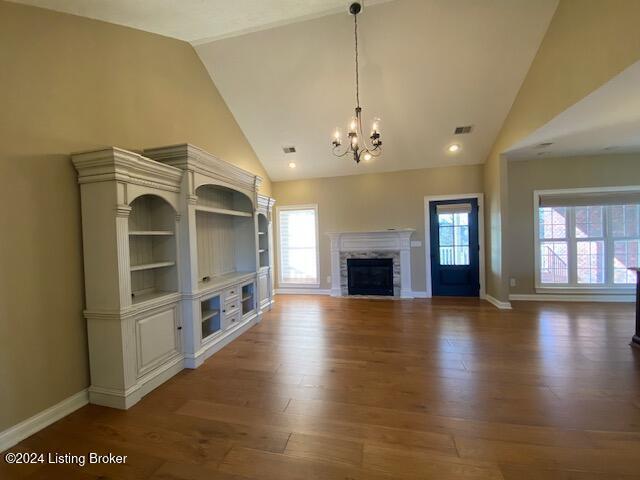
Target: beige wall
{"points": [[69, 84], [553, 173], [376, 202], [587, 43]]}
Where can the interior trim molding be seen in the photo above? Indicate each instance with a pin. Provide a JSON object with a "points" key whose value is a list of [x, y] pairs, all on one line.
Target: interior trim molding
{"points": [[28, 427], [497, 303], [545, 297], [302, 291], [427, 237]]}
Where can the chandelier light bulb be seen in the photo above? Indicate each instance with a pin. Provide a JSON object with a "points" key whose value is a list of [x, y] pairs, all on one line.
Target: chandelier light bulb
{"points": [[353, 125], [367, 156]]}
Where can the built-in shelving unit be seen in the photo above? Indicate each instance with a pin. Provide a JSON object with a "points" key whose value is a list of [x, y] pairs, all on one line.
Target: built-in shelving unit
{"points": [[152, 248], [177, 248], [130, 225], [263, 240]]}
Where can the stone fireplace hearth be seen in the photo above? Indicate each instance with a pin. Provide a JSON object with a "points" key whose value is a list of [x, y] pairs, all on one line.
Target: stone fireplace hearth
{"points": [[393, 244]]}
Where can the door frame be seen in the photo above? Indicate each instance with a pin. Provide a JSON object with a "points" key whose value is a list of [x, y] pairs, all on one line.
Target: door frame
{"points": [[427, 235]]}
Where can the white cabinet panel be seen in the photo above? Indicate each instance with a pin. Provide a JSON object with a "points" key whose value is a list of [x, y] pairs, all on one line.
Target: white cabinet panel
{"points": [[158, 339]]}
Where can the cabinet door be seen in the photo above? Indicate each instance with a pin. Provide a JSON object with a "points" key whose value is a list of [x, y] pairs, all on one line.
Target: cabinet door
{"points": [[158, 338], [263, 289]]}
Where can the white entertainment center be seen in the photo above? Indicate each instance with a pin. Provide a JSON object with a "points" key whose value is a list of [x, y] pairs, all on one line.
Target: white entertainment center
{"points": [[178, 259]]}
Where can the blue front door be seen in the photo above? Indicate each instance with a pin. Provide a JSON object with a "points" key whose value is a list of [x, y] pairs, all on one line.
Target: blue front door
{"points": [[455, 265]]}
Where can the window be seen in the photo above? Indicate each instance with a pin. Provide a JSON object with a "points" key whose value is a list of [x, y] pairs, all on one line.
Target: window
{"points": [[453, 233], [298, 240], [582, 245]]}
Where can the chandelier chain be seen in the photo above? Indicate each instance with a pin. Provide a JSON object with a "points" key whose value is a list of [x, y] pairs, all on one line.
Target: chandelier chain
{"points": [[355, 21]]}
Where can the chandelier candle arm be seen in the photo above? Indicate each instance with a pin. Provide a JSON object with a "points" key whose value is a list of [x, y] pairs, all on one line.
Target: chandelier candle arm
{"points": [[357, 145]]}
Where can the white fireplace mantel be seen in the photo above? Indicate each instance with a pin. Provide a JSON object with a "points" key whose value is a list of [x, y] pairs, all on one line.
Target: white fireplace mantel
{"points": [[374, 241]]}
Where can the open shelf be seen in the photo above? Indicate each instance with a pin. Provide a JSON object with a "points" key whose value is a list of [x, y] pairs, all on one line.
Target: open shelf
{"points": [[151, 233], [142, 297], [225, 230], [220, 281], [151, 266], [263, 240], [223, 211], [152, 248]]}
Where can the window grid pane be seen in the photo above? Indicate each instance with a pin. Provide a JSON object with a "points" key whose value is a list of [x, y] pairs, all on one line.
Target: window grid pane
{"points": [[453, 235], [625, 256], [589, 222], [298, 248], [598, 250], [554, 261], [590, 262], [553, 222]]}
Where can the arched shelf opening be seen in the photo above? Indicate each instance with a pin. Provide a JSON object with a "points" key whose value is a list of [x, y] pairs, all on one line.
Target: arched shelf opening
{"points": [[152, 248], [225, 231], [263, 240], [223, 200]]}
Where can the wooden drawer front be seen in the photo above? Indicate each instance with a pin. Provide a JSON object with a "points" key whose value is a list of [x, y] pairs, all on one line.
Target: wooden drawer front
{"points": [[232, 319], [231, 306], [231, 293], [158, 339]]}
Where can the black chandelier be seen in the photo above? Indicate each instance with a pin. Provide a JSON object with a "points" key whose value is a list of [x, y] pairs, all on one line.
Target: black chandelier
{"points": [[358, 145]]}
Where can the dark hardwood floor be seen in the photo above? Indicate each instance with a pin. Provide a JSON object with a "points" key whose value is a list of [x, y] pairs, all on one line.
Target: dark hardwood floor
{"points": [[352, 389]]}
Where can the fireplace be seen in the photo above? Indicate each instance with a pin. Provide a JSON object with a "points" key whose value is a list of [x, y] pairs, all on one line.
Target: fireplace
{"points": [[370, 276]]}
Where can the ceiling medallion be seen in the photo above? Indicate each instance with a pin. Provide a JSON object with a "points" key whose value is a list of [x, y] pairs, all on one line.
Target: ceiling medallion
{"points": [[358, 145]]}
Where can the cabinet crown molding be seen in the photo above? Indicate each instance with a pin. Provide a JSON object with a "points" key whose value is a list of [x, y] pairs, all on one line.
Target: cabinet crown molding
{"points": [[191, 158], [118, 164]]}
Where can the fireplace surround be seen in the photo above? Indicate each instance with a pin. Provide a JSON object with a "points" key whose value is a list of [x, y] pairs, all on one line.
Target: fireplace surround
{"points": [[389, 244]]}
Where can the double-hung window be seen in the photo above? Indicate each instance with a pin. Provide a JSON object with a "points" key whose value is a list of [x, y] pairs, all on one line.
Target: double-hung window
{"points": [[587, 240], [298, 241]]}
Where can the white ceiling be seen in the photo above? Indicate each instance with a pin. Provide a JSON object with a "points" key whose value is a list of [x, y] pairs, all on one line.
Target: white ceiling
{"points": [[427, 66], [196, 20], [605, 121]]}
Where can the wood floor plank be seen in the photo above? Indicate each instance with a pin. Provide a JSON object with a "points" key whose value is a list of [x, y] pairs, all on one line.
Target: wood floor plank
{"points": [[327, 388]]}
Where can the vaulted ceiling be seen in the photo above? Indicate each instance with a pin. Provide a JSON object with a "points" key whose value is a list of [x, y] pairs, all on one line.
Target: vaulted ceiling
{"points": [[285, 69]]}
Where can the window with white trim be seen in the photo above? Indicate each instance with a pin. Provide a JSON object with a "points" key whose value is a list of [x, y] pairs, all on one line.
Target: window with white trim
{"points": [[587, 240], [298, 241]]}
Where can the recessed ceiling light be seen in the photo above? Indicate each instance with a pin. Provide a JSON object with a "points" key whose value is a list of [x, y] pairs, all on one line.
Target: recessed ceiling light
{"points": [[292, 165], [453, 148]]}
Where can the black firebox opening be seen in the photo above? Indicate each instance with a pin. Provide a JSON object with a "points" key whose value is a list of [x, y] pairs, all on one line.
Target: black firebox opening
{"points": [[370, 276]]}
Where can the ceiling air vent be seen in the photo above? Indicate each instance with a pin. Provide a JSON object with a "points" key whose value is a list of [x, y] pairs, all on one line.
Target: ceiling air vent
{"points": [[463, 130], [289, 149]]}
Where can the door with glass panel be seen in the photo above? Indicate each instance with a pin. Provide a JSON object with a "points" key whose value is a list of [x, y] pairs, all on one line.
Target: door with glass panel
{"points": [[455, 266]]}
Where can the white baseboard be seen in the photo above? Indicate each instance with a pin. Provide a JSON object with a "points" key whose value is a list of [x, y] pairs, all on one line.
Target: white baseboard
{"points": [[419, 294], [497, 303], [302, 291], [28, 427], [545, 297]]}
